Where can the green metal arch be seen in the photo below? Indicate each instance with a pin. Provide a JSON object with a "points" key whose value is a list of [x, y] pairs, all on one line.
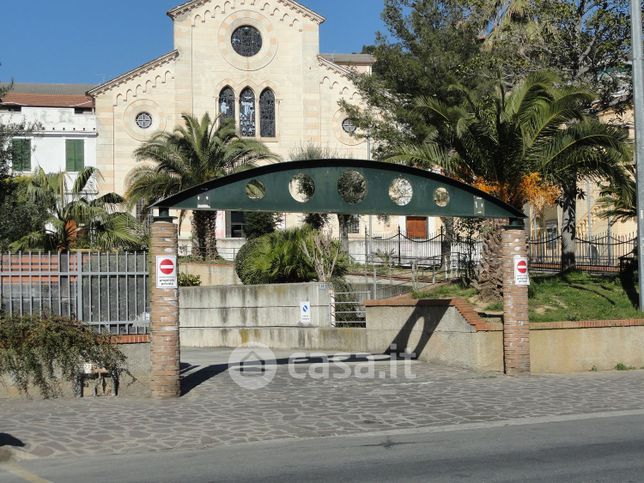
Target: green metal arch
{"points": [[229, 193]]}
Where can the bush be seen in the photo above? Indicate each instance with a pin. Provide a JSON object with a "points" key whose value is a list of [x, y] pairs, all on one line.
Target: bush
{"points": [[189, 280], [46, 351], [279, 258]]}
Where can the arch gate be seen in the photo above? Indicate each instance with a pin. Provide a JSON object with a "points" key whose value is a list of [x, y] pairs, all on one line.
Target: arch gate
{"points": [[347, 186]]}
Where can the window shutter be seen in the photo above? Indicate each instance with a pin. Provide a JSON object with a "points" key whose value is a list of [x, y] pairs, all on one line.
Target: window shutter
{"points": [[21, 154], [75, 154]]}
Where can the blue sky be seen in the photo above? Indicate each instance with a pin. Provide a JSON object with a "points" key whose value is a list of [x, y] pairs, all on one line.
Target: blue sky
{"points": [[86, 41]]}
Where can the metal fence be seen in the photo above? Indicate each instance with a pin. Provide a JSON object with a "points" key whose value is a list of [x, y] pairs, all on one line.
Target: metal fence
{"points": [[601, 252], [106, 290]]}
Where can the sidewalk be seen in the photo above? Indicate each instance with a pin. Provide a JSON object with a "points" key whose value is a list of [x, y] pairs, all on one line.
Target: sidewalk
{"points": [[219, 412]]}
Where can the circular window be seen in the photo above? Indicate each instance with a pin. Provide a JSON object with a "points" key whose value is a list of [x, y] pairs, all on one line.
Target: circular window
{"points": [[144, 120], [352, 187], [246, 41], [348, 126], [302, 188], [255, 190], [441, 197], [401, 192]]}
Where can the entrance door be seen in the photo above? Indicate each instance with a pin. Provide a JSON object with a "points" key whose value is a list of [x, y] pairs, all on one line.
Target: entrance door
{"points": [[417, 227]]}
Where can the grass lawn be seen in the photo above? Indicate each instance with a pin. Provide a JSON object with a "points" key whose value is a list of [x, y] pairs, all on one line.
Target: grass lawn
{"points": [[574, 296]]}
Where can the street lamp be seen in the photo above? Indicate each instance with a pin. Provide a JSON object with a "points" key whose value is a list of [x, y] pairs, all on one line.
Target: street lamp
{"points": [[638, 98]]}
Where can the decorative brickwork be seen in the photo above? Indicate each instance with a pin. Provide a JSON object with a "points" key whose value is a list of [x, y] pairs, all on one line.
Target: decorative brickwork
{"points": [[516, 327], [164, 322], [130, 339]]}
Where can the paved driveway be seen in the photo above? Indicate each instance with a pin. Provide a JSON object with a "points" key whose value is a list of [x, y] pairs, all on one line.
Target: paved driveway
{"points": [[309, 399]]}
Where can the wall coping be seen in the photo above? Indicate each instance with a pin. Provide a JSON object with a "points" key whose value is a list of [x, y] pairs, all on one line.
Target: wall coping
{"points": [[130, 339], [464, 308], [480, 325], [586, 324]]}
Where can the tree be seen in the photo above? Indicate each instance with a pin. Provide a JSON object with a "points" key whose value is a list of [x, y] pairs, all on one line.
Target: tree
{"points": [[19, 214], [197, 152], [259, 223], [75, 219], [429, 46], [537, 132], [586, 42]]}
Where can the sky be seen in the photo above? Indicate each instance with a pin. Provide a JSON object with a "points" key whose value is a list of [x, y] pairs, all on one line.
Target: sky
{"points": [[89, 41]]}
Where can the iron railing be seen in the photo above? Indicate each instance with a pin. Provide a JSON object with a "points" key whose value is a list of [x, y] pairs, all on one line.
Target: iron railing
{"points": [[601, 252], [106, 290]]}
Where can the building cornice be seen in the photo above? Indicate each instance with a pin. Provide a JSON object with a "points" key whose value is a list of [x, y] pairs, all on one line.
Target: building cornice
{"points": [[299, 8], [153, 64], [338, 69]]}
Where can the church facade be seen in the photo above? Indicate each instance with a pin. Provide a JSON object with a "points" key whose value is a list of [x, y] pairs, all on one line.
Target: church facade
{"points": [[255, 61]]}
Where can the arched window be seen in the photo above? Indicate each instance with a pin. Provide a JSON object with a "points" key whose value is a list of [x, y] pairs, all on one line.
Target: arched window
{"points": [[247, 113], [227, 103], [267, 114]]}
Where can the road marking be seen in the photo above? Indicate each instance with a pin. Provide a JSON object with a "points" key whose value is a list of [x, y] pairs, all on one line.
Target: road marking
{"points": [[22, 473]]}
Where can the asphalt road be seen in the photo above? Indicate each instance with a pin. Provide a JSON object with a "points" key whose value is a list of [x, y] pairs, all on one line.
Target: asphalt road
{"points": [[577, 448]]}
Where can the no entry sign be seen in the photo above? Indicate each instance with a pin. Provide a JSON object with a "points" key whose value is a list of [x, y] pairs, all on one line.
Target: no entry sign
{"points": [[521, 276], [166, 272]]}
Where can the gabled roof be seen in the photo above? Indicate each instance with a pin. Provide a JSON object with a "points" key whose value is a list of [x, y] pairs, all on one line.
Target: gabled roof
{"points": [[48, 95], [170, 56], [301, 9]]}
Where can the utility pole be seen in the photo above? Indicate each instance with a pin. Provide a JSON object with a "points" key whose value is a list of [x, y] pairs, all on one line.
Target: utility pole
{"points": [[370, 216], [638, 97]]}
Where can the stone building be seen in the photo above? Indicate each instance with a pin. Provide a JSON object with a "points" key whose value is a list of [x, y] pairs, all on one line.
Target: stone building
{"points": [[255, 61]]}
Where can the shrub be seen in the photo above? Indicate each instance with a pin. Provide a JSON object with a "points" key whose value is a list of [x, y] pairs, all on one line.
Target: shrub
{"points": [[46, 351], [279, 258], [189, 280]]}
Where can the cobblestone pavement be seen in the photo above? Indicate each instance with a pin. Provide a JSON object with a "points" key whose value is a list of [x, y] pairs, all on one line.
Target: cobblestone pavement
{"points": [[218, 412]]}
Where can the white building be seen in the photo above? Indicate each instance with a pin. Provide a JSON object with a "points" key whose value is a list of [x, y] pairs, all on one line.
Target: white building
{"points": [[63, 121]]}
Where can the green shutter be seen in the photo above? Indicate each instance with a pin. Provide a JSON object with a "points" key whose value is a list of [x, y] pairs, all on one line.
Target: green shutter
{"points": [[75, 153], [21, 154]]}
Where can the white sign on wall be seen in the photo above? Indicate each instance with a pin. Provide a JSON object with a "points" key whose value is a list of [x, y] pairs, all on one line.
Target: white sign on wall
{"points": [[167, 271], [305, 312], [521, 276]]}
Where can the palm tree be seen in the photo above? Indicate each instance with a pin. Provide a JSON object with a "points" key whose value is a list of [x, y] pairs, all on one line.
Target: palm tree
{"points": [[501, 145], [194, 153], [76, 219]]}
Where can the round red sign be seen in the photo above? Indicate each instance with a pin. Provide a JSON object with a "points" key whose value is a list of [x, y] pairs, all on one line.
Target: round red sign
{"points": [[166, 266], [522, 267]]}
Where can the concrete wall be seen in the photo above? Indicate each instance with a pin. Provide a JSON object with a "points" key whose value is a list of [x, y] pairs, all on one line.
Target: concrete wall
{"points": [[136, 383], [212, 274], [561, 347], [230, 315], [434, 334]]}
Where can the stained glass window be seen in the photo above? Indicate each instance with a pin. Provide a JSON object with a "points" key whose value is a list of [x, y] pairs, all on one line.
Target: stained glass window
{"points": [[144, 120], [246, 41], [227, 103], [267, 114], [247, 113]]}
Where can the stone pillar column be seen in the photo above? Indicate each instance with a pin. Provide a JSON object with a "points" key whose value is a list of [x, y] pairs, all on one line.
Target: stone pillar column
{"points": [[516, 328], [164, 321]]}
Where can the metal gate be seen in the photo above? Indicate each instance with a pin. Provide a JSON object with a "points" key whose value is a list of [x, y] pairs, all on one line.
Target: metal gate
{"points": [[105, 290]]}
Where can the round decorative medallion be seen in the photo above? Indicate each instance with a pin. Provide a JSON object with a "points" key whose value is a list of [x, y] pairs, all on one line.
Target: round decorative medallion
{"points": [[348, 126], [144, 120], [246, 41]]}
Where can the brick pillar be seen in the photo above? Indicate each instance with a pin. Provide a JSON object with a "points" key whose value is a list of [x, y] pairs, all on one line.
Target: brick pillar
{"points": [[516, 328], [164, 322]]}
